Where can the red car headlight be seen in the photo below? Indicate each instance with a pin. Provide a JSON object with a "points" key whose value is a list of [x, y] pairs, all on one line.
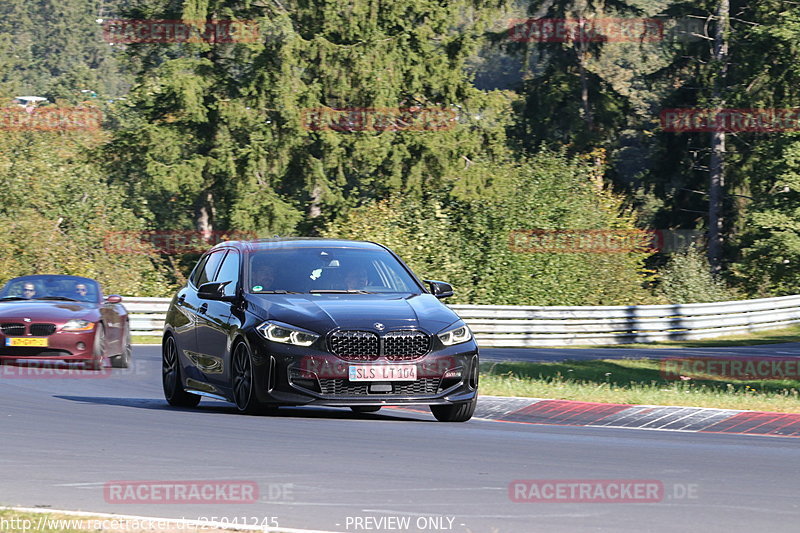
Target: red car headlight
{"points": [[78, 325]]}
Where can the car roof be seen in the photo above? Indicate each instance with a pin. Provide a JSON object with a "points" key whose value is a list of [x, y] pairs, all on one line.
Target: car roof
{"points": [[299, 242]]}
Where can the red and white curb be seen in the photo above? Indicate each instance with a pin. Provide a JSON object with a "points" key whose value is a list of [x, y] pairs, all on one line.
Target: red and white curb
{"points": [[692, 419]]}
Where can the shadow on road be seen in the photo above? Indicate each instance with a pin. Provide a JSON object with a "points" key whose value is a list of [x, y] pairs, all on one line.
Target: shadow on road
{"points": [[214, 407]]}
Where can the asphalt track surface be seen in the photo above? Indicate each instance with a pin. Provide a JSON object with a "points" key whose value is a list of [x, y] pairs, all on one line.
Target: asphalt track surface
{"points": [[65, 438]]}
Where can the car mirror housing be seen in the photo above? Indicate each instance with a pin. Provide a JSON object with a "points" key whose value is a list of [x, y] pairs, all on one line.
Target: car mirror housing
{"points": [[440, 289], [113, 298], [215, 290]]}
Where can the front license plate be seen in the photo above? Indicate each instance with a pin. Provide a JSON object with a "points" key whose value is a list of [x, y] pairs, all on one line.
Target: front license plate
{"points": [[383, 373], [40, 342]]}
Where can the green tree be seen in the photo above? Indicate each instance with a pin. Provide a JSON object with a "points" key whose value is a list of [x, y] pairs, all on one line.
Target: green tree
{"points": [[57, 211], [220, 139], [54, 48], [470, 239]]}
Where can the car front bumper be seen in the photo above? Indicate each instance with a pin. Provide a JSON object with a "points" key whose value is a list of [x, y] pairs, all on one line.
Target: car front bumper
{"points": [[292, 375], [61, 345]]}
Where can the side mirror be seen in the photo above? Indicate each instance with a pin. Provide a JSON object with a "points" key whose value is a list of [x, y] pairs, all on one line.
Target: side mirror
{"points": [[113, 298], [215, 290], [440, 289]]}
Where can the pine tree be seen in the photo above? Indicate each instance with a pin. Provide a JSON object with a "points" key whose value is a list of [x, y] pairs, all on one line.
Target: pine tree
{"points": [[221, 135]]}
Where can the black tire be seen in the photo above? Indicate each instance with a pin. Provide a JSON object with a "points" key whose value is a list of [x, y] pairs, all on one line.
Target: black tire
{"points": [[171, 377], [457, 412], [242, 382], [365, 408], [123, 360], [98, 350]]}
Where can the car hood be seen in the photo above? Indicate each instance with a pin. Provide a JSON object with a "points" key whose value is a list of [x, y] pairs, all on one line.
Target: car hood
{"points": [[324, 312], [46, 311]]}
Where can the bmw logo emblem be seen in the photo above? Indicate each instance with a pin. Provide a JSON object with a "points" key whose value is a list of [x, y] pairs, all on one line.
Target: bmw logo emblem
{"points": [[379, 326]]}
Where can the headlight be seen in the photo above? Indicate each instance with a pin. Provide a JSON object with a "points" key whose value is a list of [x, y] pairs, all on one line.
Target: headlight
{"points": [[78, 325], [286, 334], [455, 335]]}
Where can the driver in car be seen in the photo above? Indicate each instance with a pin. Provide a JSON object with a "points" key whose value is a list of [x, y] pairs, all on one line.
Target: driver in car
{"points": [[264, 277], [29, 290]]}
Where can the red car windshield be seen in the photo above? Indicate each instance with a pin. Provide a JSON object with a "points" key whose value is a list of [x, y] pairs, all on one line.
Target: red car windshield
{"points": [[50, 287]]}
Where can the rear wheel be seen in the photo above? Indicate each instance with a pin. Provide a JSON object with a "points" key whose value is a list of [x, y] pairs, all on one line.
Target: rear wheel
{"points": [[96, 363], [123, 360], [365, 408], [457, 412], [171, 377], [242, 382]]}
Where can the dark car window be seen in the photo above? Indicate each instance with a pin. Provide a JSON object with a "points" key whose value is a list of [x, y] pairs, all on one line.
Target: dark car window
{"points": [[198, 269], [206, 270], [305, 269], [229, 272]]}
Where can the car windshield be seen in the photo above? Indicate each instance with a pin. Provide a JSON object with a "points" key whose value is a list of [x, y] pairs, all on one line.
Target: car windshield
{"points": [[49, 287], [327, 270]]}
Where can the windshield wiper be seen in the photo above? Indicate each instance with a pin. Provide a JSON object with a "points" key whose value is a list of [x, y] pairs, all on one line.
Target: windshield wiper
{"points": [[339, 291], [13, 298], [277, 291], [57, 298]]}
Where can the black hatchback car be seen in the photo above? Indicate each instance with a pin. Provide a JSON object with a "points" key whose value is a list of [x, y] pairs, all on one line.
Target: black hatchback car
{"points": [[314, 321]]}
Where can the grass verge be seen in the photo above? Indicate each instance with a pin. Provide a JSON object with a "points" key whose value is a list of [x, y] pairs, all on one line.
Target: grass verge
{"points": [[145, 339], [768, 336], [634, 381]]}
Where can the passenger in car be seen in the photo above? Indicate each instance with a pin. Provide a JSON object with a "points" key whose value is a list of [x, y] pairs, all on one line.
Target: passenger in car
{"points": [[81, 292]]}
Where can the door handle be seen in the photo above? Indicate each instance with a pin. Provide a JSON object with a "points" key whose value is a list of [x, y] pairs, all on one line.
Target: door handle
{"points": [[204, 308]]}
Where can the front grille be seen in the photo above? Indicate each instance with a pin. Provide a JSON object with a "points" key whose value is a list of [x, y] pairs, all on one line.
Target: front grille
{"points": [[42, 330], [354, 345], [405, 345], [12, 328], [344, 387]]}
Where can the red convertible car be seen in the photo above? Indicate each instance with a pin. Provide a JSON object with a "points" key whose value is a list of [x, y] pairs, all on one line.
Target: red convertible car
{"points": [[63, 318]]}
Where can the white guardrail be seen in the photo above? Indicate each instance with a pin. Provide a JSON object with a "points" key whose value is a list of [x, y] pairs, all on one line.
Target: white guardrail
{"points": [[518, 326]]}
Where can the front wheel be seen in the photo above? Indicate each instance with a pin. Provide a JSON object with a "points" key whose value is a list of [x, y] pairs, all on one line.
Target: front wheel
{"points": [[171, 377], [96, 362], [457, 412], [123, 360], [242, 382]]}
